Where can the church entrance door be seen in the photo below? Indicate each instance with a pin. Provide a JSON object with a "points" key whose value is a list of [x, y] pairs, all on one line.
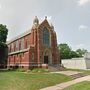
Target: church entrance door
{"points": [[45, 59]]}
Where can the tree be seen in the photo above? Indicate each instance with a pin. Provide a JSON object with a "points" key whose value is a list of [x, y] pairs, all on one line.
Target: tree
{"points": [[65, 51], [3, 34], [81, 52], [3, 46], [74, 54]]}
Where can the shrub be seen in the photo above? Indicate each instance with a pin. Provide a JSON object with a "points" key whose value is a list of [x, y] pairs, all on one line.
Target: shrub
{"points": [[20, 70], [40, 70]]}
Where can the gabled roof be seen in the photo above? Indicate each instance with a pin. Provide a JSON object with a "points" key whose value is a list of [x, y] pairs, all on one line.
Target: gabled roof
{"points": [[28, 32], [19, 36], [45, 22]]}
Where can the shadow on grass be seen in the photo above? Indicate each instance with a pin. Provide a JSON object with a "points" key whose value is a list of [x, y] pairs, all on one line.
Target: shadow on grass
{"points": [[7, 70]]}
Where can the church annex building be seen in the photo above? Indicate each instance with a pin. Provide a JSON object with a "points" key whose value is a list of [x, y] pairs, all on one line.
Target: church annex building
{"points": [[35, 48]]}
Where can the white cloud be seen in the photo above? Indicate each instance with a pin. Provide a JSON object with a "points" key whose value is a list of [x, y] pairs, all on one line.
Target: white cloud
{"points": [[83, 2], [83, 28]]}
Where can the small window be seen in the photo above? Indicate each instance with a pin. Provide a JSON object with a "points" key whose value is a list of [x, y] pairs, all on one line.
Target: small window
{"points": [[12, 47], [26, 44], [22, 43], [17, 45]]}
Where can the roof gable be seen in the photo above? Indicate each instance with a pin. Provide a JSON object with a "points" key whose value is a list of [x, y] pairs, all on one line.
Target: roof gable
{"points": [[45, 23]]}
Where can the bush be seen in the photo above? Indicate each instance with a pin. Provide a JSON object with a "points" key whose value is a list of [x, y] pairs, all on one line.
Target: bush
{"points": [[28, 70], [40, 70], [20, 70]]}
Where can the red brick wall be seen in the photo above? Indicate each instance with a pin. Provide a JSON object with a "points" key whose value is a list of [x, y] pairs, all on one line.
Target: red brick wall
{"points": [[35, 43]]}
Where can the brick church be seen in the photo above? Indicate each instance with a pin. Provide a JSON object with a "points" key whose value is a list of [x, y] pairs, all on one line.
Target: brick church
{"points": [[36, 47]]}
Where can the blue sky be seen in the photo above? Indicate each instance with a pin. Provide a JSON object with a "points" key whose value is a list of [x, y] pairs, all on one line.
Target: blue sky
{"points": [[71, 18]]}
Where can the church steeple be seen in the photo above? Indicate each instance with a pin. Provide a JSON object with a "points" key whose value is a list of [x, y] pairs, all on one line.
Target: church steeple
{"points": [[35, 22]]}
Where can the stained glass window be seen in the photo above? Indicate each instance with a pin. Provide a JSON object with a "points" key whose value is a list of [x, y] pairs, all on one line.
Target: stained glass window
{"points": [[46, 37]]}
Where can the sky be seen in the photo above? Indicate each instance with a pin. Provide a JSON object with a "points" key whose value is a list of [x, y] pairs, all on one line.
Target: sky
{"points": [[71, 19]]}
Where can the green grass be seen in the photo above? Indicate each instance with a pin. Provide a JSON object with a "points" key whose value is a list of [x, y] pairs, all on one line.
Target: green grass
{"points": [[80, 86], [13, 80], [40, 70]]}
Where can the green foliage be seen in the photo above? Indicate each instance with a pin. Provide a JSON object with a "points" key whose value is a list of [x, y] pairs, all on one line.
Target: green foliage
{"points": [[3, 33], [67, 53], [40, 70], [81, 52], [3, 46], [20, 70], [74, 54]]}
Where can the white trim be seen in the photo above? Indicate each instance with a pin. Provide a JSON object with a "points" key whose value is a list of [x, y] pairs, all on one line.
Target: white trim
{"points": [[18, 37], [24, 50], [24, 65]]}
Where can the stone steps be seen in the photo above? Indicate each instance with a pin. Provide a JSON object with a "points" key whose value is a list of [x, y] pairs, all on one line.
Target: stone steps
{"points": [[54, 68]]}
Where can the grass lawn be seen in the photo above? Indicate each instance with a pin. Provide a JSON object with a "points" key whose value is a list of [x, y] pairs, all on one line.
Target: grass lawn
{"points": [[13, 80], [80, 86]]}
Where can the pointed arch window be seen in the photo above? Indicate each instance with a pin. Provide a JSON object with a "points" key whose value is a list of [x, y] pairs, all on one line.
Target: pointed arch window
{"points": [[46, 37], [17, 45]]}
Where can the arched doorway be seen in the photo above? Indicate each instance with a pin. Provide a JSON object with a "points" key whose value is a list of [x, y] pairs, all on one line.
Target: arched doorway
{"points": [[47, 57]]}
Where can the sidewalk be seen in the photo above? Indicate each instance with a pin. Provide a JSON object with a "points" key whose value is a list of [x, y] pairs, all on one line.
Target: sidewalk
{"points": [[66, 84], [68, 73]]}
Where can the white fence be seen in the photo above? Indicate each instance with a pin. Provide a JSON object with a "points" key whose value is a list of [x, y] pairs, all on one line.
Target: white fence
{"points": [[76, 63]]}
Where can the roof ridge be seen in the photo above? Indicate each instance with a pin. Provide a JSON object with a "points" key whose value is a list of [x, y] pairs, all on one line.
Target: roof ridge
{"points": [[19, 36]]}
